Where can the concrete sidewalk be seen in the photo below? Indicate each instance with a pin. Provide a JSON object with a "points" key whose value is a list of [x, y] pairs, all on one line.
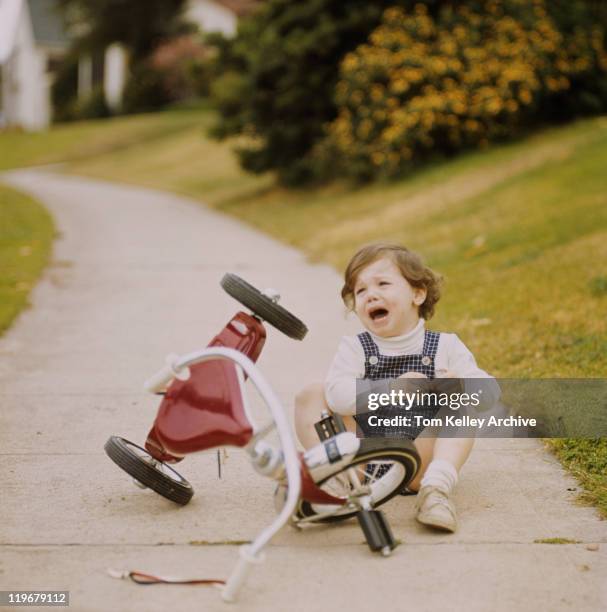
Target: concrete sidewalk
{"points": [[135, 276]]}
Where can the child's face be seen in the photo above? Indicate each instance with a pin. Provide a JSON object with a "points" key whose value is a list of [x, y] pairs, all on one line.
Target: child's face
{"points": [[386, 304]]}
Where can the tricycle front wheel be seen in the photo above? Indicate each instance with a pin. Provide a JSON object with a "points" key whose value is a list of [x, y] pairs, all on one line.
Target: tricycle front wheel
{"points": [[264, 307], [150, 472], [384, 465]]}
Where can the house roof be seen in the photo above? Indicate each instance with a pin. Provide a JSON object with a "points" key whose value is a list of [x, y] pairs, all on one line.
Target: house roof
{"points": [[47, 23]]}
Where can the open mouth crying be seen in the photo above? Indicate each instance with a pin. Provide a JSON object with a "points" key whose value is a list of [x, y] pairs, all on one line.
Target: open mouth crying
{"points": [[378, 314]]}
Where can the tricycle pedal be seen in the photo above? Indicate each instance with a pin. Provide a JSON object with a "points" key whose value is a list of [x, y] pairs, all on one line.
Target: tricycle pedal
{"points": [[377, 531], [329, 426]]}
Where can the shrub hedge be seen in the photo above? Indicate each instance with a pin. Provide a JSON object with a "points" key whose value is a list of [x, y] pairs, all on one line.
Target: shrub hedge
{"points": [[277, 76], [437, 82]]}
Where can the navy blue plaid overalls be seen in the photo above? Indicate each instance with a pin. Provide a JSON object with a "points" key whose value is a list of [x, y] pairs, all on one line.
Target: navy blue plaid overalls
{"points": [[378, 366]]}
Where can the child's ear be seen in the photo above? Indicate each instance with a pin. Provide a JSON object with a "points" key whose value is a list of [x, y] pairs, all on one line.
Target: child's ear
{"points": [[419, 296]]}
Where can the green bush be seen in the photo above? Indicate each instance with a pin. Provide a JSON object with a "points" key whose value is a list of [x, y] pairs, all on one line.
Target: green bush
{"points": [[176, 71], [427, 84], [277, 77], [145, 90], [182, 64], [64, 89], [588, 91], [93, 106], [67, 105]]}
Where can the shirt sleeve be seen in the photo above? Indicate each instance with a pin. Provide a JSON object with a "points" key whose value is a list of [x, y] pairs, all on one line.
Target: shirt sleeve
{"points": [[462, 363], [340, 384]]}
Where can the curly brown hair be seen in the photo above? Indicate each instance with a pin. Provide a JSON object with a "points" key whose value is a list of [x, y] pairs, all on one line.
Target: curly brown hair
{"points": [[410, 265]]}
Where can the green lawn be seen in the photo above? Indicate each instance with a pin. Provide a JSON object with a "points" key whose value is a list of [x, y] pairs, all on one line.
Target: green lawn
{"points": [[587, 461], [26, 235], [86, 139], [519, 232]]}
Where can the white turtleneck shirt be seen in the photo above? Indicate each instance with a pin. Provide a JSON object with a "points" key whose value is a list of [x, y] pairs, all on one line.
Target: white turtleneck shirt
{"points": [[349, 364]]}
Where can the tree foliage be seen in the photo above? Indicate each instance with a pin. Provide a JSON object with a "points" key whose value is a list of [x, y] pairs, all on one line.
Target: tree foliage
{"points": [[276, 84], [140, 25], [427, 85], [278, 75]]}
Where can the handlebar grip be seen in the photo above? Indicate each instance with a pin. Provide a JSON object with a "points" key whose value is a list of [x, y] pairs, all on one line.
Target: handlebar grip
{"points": [[240, 573], [158, 382]]}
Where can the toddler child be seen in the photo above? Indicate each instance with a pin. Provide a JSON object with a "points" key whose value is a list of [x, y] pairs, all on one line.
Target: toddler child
{"points": [[393, 293]]}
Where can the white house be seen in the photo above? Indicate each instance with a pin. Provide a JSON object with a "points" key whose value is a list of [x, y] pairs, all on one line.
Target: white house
{"points": [[219, 15], [32, 42]]}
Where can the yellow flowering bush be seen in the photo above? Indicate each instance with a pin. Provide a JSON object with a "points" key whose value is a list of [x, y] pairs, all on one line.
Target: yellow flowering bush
{"points": [[425, 84]]}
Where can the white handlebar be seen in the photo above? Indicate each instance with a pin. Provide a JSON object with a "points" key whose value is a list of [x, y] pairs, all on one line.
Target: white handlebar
{"points": [[177, 367], [240, 573], [159, 381]]}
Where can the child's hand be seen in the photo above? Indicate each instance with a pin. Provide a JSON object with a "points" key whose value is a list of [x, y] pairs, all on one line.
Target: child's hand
{"points": [[412, 387], [446, 374], [454, 385]]}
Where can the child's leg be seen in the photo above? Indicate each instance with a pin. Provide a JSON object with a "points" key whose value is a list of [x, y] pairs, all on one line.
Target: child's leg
{"points": [[309, 405], [453, 450], [425, 448], [437, 481]]}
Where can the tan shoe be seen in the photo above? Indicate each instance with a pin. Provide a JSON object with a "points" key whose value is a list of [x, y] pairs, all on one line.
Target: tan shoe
{"points": [[435, 509]]}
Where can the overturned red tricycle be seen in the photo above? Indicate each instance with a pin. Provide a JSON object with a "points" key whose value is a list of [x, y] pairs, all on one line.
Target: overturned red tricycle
{"points": [[204, 406]]}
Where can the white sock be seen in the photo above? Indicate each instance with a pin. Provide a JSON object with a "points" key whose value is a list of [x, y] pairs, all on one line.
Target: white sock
{"points": [[440, 474]]}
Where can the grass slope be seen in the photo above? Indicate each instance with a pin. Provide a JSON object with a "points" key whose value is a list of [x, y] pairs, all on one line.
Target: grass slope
{"points": [[86, 139]]}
